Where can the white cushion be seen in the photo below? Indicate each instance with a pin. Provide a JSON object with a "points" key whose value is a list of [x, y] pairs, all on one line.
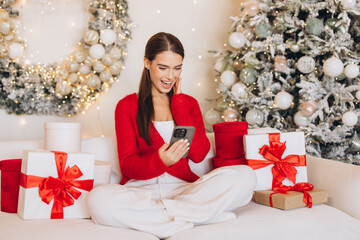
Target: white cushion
{"points": [[13, 228], [255, 221]]}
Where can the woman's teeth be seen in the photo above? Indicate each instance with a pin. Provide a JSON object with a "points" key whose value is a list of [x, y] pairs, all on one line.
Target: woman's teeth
{"points": [[168, 83]]}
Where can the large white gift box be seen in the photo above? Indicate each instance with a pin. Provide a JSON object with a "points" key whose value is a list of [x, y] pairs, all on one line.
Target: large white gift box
{"points": [[275, 157], [55, 184]]}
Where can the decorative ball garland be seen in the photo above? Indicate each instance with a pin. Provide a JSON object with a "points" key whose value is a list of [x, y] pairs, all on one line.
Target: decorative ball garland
{"points": [[72, 86]]}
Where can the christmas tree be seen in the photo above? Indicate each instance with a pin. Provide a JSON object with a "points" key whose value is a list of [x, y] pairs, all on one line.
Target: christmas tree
{"points": [[293, 65]]}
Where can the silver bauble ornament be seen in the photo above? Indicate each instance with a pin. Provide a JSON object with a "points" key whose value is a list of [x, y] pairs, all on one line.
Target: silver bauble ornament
{"points": [[239, 90], [305, 64], [254, 117], [355, 143]]}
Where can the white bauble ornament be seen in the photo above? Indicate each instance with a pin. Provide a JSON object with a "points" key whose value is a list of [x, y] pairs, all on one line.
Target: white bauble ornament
{"points": [[89, 61], [254, 117], [308, 108], [212, 116], [333, 67], [237, 40], [79, 56], [99, 66], [357, 95], [252, 8], [9, 38], [350, 118], [84, 69], [228, 78], [97, 51], [4, 50], [238, 90], [16, 50], [107, 59], [230, 115], [73, 78], [351, 70], [105, 76], [108, 36], [5, 27], [4, 15], [283, 100], [91, 37], [94, 82], [115, 53], [63, 88], [219, 65], [73, 66], [116, 68], [300, 120], [294, 47], [305, 64], [348, 4]]}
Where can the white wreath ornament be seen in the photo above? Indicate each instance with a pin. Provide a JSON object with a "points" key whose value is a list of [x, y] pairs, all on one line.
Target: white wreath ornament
{"points": [[74, 85]]}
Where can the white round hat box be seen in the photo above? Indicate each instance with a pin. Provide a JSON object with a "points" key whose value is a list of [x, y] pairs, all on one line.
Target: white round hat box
{"points": [[102, 172], [63, 137]]}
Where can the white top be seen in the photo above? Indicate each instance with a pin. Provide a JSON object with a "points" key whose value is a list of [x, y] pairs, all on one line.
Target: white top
{"points": [[165, 129], [165, 185]]}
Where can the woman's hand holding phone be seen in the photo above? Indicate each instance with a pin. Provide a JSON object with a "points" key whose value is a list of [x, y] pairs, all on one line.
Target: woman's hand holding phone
{"points": [[171, 155]]}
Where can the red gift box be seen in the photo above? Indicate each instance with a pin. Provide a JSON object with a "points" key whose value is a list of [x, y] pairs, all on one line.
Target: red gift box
{"points": [[229, 139], [10, 179]]}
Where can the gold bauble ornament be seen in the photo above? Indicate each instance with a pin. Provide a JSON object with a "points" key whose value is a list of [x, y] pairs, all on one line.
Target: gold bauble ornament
{"points": [[73, 78], [63, 88], [238, 65], [4, 50], [115, 53], [107, 59], [94, 81], [99, 66], [115, 69], [84, 69], [79, 56], [105, 76], [91, 37], [89, 61], [73, 66]]}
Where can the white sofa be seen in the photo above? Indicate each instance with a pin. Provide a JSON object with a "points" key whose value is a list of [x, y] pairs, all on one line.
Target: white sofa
{"points": [[339, 219]]}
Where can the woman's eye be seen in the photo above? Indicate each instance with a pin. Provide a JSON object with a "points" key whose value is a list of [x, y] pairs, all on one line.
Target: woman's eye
{"points": [[178, 68], [162, 68]]}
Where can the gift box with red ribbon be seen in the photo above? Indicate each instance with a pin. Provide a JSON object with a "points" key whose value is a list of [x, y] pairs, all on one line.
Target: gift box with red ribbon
{"points": [[54, 184], [289, 197], [277, 158]]}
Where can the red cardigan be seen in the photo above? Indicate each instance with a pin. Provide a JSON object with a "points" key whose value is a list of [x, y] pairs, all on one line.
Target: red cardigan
{"points": [[141, 161]]}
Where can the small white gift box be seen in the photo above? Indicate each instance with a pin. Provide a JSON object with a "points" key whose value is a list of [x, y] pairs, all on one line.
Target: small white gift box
{"points": [[55, 184], [275, 157]]}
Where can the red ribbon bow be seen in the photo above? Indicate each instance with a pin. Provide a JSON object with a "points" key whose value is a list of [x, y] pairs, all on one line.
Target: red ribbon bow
{"points": [[283, 168], [299, 187], [61, 189]]}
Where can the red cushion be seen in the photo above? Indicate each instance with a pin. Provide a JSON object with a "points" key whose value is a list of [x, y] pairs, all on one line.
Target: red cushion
{"points": [[10, 178], [220, 162]]}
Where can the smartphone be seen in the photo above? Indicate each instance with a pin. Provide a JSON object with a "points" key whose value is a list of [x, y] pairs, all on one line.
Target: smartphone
{"points": [[183, 132]]}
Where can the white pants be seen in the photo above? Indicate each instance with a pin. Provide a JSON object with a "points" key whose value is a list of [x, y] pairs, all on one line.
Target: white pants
{"points": [[209, 199]]}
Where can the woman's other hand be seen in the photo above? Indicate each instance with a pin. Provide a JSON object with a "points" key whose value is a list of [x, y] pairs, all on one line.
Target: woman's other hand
{"points": [[177, 86], [171, 155]]}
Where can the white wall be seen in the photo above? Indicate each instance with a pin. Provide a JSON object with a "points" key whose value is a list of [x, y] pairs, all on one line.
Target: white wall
{"points": [[201, 25]]}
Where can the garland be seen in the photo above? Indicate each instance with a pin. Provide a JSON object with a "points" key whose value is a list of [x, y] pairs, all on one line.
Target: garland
{"points": [[72, 86]]}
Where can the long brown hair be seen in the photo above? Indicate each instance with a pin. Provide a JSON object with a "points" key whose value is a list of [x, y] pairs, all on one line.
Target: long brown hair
{"points": [[158, 43]]}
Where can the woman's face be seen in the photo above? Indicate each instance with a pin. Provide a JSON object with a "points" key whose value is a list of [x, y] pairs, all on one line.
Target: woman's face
{"points": [[165, 70]]}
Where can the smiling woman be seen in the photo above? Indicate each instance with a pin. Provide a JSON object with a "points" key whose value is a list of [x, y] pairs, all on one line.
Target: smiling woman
{"points": [[70, 86]]}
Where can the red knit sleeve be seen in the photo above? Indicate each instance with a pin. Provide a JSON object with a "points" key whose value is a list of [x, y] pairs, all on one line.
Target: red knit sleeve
{"points": [[186, 112], [133, 163]]}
